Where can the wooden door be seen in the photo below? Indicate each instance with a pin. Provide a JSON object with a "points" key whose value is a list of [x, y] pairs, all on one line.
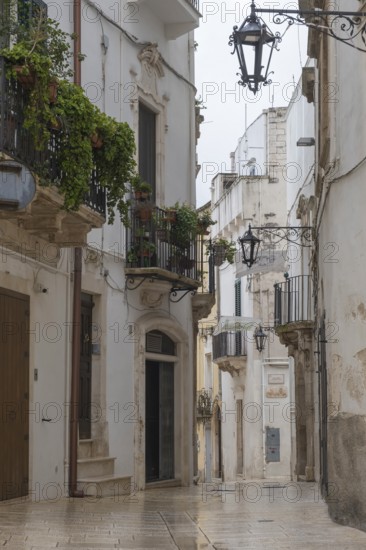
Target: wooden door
{"points": [[14, 394]]}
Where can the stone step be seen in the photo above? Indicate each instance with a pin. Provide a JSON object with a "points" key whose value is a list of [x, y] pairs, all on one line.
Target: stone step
{"points": [[100, 466], [105, 486], [85, 449]]}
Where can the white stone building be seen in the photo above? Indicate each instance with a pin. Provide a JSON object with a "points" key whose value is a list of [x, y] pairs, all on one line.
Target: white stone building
{"points": [[136, 406], [326, 338], [256, 418]]}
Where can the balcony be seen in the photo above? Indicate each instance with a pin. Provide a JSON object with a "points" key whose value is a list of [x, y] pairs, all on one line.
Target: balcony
{"points": [[154, 254], [179, 16], [293, 308], [229, 351], [204, 405], [293, 301], [41, 214]]}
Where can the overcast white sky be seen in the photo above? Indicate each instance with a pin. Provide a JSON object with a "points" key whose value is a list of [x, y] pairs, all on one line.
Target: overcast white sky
{"points": [[216, 81]]}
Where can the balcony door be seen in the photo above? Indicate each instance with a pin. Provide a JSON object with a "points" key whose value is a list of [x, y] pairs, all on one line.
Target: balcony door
{"points": [[159, 421], [147, 146]]}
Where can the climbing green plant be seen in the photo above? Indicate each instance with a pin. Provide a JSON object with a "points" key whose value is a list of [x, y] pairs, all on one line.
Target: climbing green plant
{"points": [[41, 50], [115, 163]]}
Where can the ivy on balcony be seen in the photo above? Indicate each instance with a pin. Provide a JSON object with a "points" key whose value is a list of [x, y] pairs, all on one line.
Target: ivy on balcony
{"points": [[72, 141]]}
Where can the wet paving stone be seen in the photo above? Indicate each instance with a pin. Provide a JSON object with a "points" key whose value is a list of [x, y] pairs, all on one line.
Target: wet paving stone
{"points": [[191, 518]]}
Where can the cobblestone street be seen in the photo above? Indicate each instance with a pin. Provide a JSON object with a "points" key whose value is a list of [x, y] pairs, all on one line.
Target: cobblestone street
{"points": [[251, 515]]}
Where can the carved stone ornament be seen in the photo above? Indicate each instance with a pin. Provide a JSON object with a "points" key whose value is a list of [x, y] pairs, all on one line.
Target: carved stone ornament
{"points": [[278, 393], [151, 68], [151, 298]]}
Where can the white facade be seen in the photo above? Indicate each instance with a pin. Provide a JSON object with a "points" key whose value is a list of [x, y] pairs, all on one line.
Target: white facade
{"points": [[339, 297], [137, 52], [327, 340], [257, 421]]}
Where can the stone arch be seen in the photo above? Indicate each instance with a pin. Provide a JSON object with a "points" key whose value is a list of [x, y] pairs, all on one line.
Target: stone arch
{"points": [[183, 396]]}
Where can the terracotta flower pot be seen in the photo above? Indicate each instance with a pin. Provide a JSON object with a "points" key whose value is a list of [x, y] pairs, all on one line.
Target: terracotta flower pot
{"points": [[141, 195], [52, 91], [170, 216], [96, 141], [26, 79], [144, 213]]}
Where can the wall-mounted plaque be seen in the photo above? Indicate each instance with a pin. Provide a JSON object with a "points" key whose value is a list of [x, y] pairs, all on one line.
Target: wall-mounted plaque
{"points": [[276, 379]]}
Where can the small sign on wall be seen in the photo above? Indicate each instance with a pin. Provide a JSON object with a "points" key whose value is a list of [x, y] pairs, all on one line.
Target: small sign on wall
{"points": [[276, 379]]}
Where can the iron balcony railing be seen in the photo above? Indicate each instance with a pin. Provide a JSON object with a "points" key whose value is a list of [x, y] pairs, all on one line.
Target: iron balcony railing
{"points": [[204, 405], [16, 141], [293, 300], [151, 242], [231, 344], [195, 4]]}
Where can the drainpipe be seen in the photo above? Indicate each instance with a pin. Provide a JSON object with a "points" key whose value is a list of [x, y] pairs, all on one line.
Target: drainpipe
{"points": [[76, 328], [77, 42]]}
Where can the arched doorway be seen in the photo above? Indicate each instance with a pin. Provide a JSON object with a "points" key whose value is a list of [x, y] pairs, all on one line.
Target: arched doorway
{"points": [[159, 408]]}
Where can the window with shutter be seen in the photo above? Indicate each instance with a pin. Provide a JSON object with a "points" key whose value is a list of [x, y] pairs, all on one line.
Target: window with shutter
{"points": [[29, 9], [147, 146]]}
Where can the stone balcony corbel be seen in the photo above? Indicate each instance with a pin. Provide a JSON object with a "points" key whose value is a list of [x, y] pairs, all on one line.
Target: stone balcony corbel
{"points": [[235, 366]]}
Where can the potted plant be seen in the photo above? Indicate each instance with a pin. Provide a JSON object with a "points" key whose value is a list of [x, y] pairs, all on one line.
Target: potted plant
{"points": [[184, 229], [204, 221], [96, 140], [144, 211], [204, 405], [141, 253], [142, 189], [43, 50], [222, 250], [169, 215], [38, 57]]}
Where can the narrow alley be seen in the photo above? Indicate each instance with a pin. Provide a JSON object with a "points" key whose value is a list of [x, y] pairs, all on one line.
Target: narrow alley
{"points": [[247, 515]]}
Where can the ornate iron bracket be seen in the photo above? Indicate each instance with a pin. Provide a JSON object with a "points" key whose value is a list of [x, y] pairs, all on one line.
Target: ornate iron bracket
{"points": [[291, 234], [132, 285], [174, 290], [344, 26]]}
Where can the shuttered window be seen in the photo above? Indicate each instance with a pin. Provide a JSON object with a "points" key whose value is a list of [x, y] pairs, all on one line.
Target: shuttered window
{"points": [[158, 342], [28, 9], [24, 12], [147, 146]]}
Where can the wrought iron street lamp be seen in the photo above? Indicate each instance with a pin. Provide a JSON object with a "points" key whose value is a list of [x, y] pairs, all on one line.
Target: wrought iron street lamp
{"points": [[250, 242], [260, 338], [255, 34], [250, 247], [344, 26]]}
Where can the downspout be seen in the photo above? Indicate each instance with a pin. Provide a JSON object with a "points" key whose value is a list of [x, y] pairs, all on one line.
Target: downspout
{"points": [[76, 314]]}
